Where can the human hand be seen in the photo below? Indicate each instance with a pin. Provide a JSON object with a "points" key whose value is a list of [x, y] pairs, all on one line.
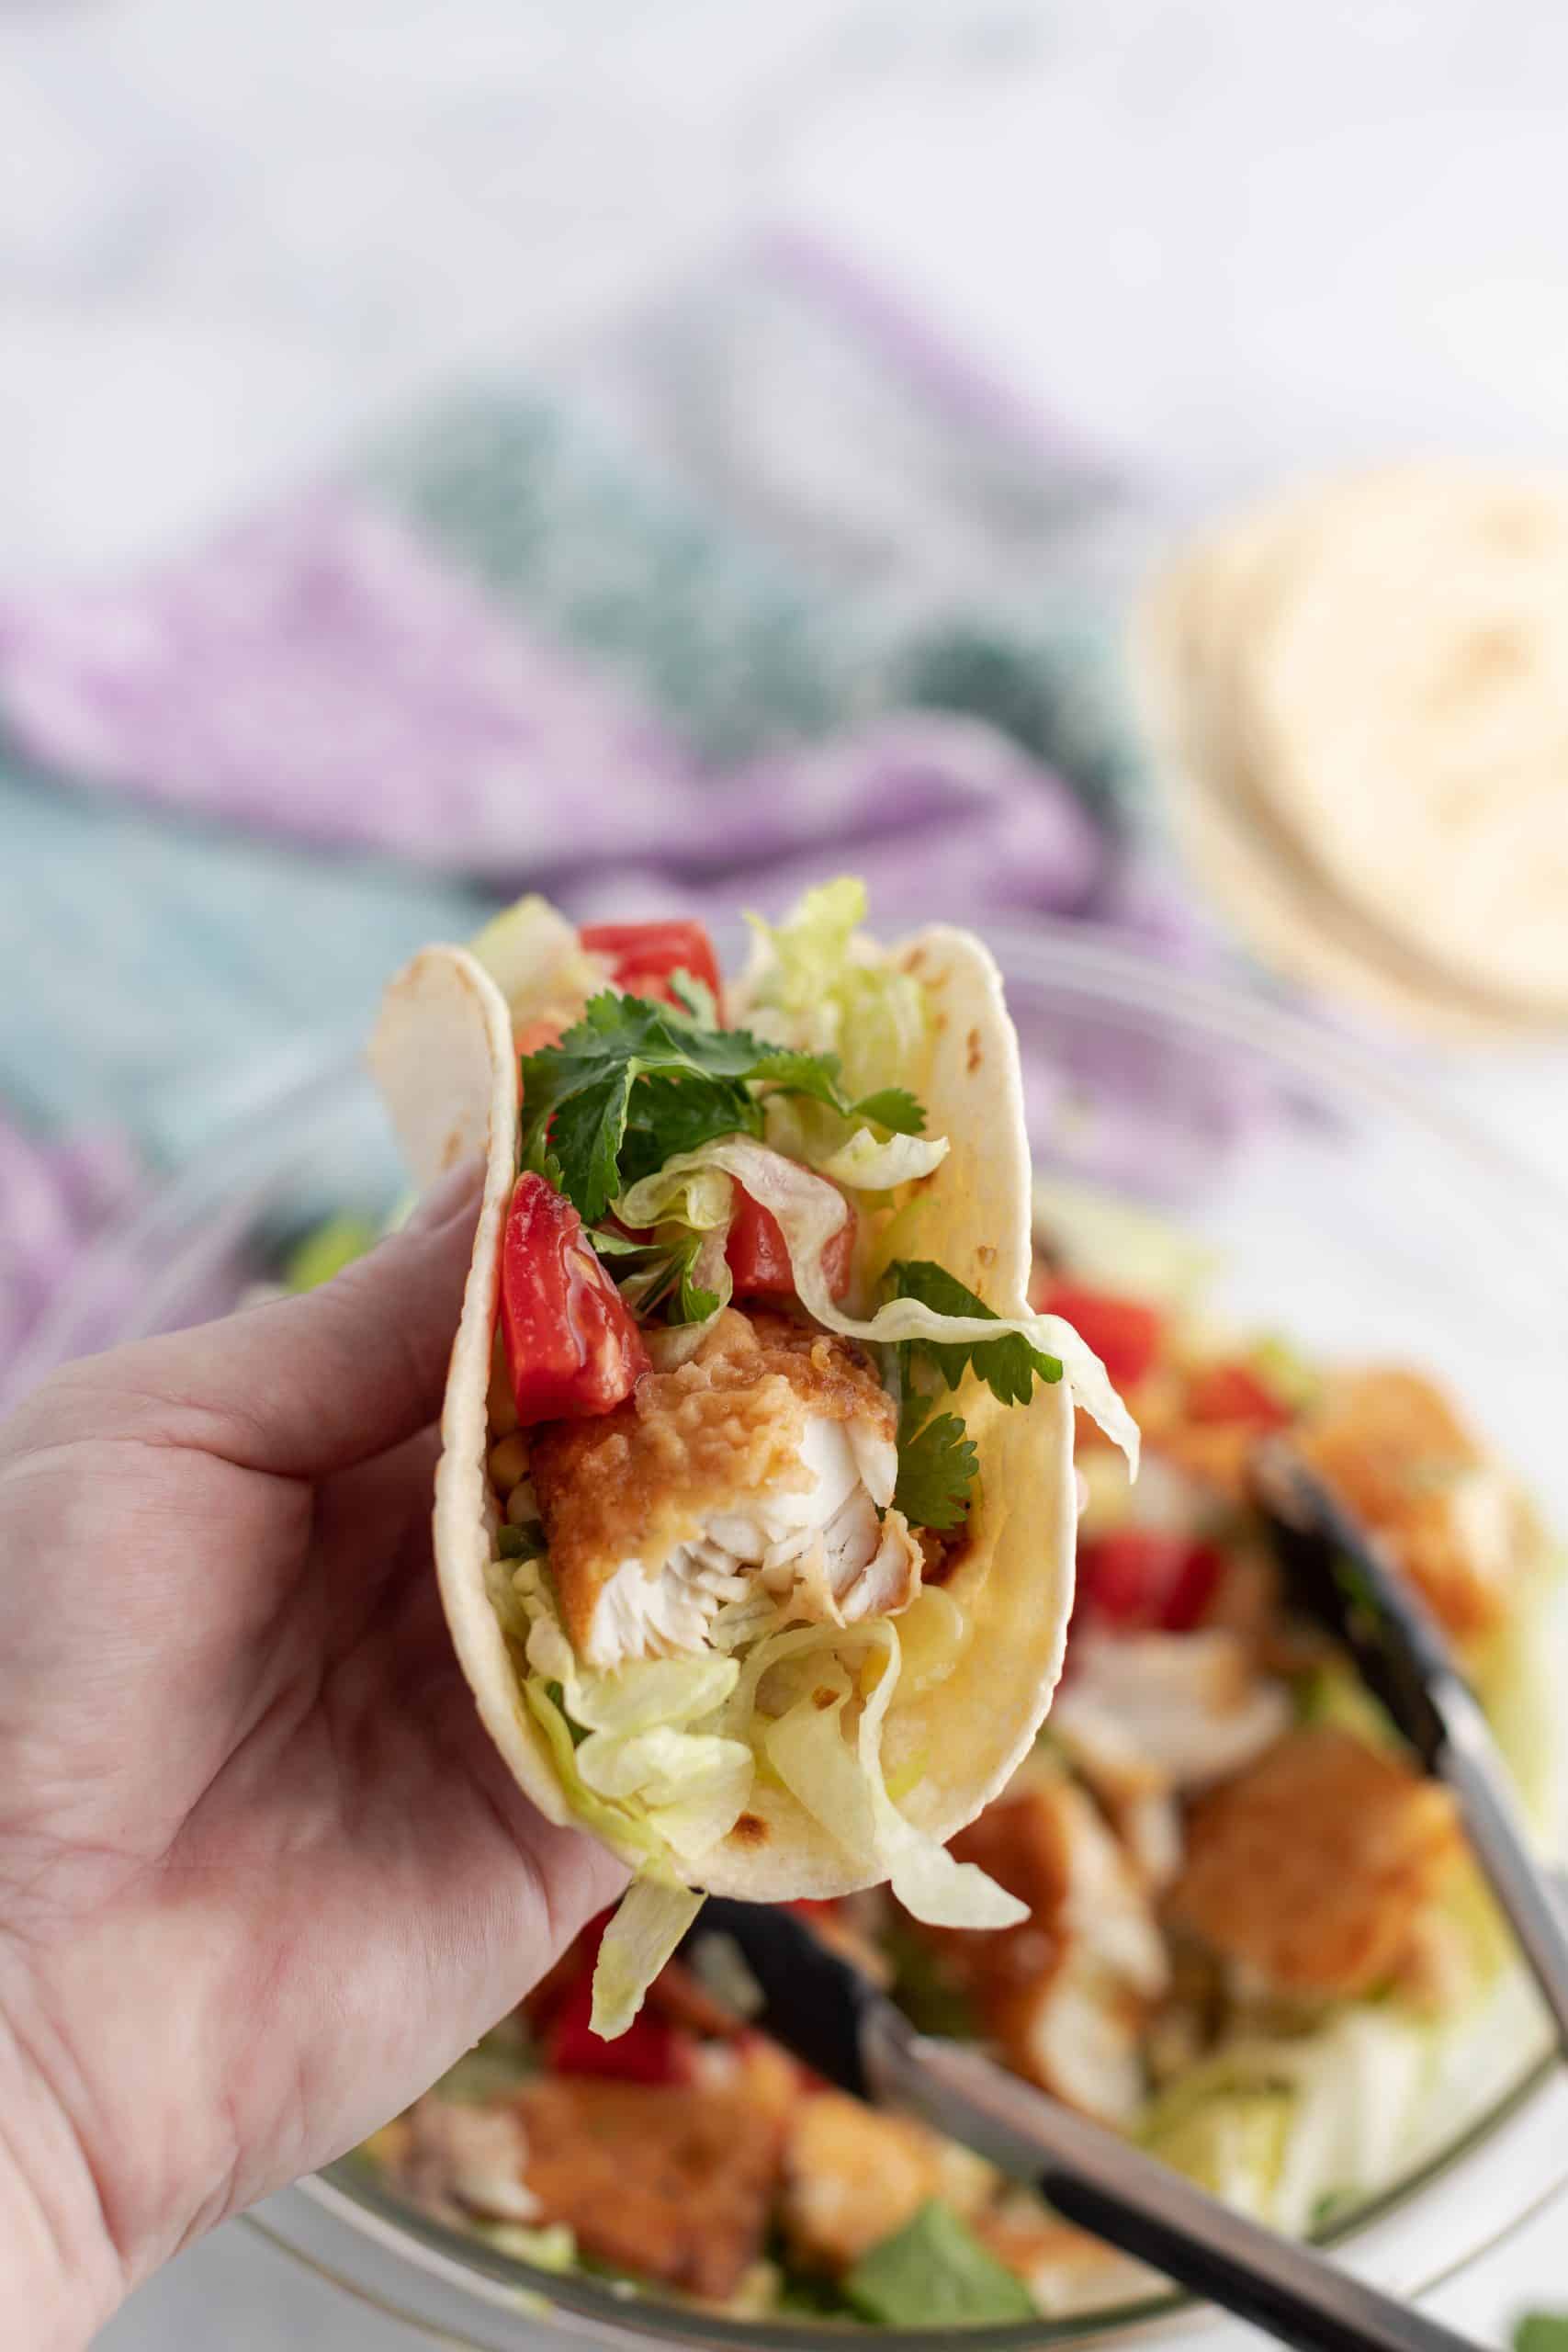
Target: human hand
{"points": [[261, 1874]]}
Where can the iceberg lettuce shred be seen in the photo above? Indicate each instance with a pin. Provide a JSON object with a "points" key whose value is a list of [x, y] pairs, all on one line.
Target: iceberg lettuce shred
{"points": [[812, 982]]}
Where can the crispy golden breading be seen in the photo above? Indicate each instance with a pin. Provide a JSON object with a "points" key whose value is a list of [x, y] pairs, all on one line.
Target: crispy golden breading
{"points": [[1063, 1994], [686, 1443], [854, 2175], [1313, 1866], [676, 2184], [1023, 1842], [1393, 1449], [1059, 2263]]}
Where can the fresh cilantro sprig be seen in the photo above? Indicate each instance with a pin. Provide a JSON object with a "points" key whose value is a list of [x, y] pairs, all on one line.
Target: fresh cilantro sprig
{"points": [[937, 1467], [1009, 1365], [654, 1074]]}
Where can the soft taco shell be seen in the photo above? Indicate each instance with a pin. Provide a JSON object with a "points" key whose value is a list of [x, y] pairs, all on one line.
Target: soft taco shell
{"points": [[442, 1055]]}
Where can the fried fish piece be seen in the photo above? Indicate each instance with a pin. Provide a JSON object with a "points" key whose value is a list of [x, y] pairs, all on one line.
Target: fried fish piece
{"points": [[1392, 1447], [675, 2184], [767, 1462], [1065, 1994], [854, 2175], [1314, 1865]]}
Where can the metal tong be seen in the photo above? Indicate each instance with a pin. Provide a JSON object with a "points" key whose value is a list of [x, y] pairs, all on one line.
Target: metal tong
{"points": [[1337, 1573], [824, 2009]]}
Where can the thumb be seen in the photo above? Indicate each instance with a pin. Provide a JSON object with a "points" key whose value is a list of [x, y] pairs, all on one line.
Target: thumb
{"points": [[304, 1386]]}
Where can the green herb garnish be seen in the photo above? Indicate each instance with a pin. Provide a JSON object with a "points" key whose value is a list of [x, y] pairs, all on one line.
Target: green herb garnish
{"points": [[937, 1467], [652, 1073], [1009, 1365]]}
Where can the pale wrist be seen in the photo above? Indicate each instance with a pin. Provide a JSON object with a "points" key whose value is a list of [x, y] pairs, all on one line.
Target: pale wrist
{"points": [[58, 2271]]}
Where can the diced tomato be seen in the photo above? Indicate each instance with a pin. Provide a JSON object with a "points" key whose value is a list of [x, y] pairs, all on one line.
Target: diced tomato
{"points": [[645, 956], [1137, 1580], [759, 1261], [651, 2050], [572, 1348], [1232, 1392], [1125, 1333]]}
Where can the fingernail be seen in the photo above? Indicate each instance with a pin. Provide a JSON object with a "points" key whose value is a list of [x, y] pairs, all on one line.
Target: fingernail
{"points": [[450, 1196]]}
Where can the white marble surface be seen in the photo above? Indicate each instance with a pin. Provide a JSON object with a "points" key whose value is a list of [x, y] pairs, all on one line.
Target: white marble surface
{"points": [[1221, 239]]}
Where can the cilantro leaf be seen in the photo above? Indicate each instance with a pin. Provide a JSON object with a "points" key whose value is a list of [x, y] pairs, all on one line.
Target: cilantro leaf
{"points": [[655, 1074], [585, 1136], [893, 1108], [937, 1467], [697, 1304], [674, 1114], [1009, 1365]]}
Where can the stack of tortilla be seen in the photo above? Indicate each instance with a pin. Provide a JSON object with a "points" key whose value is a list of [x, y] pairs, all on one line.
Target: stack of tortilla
{"points": [[1359, 700]]}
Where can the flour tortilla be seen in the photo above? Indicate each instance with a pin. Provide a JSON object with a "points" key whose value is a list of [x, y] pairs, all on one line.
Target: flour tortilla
{"points": [[1287, 668], [442, 1055], [1186, 646], [1412, 711]]}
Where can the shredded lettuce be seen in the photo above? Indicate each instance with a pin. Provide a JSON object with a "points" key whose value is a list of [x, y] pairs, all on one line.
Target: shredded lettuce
{"points": [[846, 1152], [1281, 2125], [533, 955], [641, 1936], [843, 1787], [551, 2247], [812, 982]]}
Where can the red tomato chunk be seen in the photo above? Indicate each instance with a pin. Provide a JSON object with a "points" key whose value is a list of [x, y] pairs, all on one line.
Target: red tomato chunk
{"points": [[572, 1348], [1137, 1580], [758, 1261], [651, 2050], [645, 956], [1125, 1333], [1234, 1392]]}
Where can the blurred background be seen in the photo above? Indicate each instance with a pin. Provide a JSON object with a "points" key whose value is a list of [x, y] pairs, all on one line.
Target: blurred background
{"points": [[659, 453]]}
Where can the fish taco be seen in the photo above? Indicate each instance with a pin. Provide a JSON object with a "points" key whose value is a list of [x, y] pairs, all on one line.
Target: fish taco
{"points": [[755, 1512]]}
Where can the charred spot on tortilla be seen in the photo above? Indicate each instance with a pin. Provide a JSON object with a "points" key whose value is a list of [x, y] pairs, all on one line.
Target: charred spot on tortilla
{"points": [[972, 1057], [823, 1698], [945, 1551], [986, 1254], [751, 1829]]}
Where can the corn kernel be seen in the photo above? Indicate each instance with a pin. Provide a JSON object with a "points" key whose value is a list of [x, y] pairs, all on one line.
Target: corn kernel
{"points": [[508, 1463]]}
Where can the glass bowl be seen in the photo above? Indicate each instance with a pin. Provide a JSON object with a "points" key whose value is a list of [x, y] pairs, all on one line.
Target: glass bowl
{"points": [[1341, 1206]]}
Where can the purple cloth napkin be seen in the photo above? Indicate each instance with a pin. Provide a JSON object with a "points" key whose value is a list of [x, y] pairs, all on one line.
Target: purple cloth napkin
{"points": [[323, 673], [330, 675]]}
